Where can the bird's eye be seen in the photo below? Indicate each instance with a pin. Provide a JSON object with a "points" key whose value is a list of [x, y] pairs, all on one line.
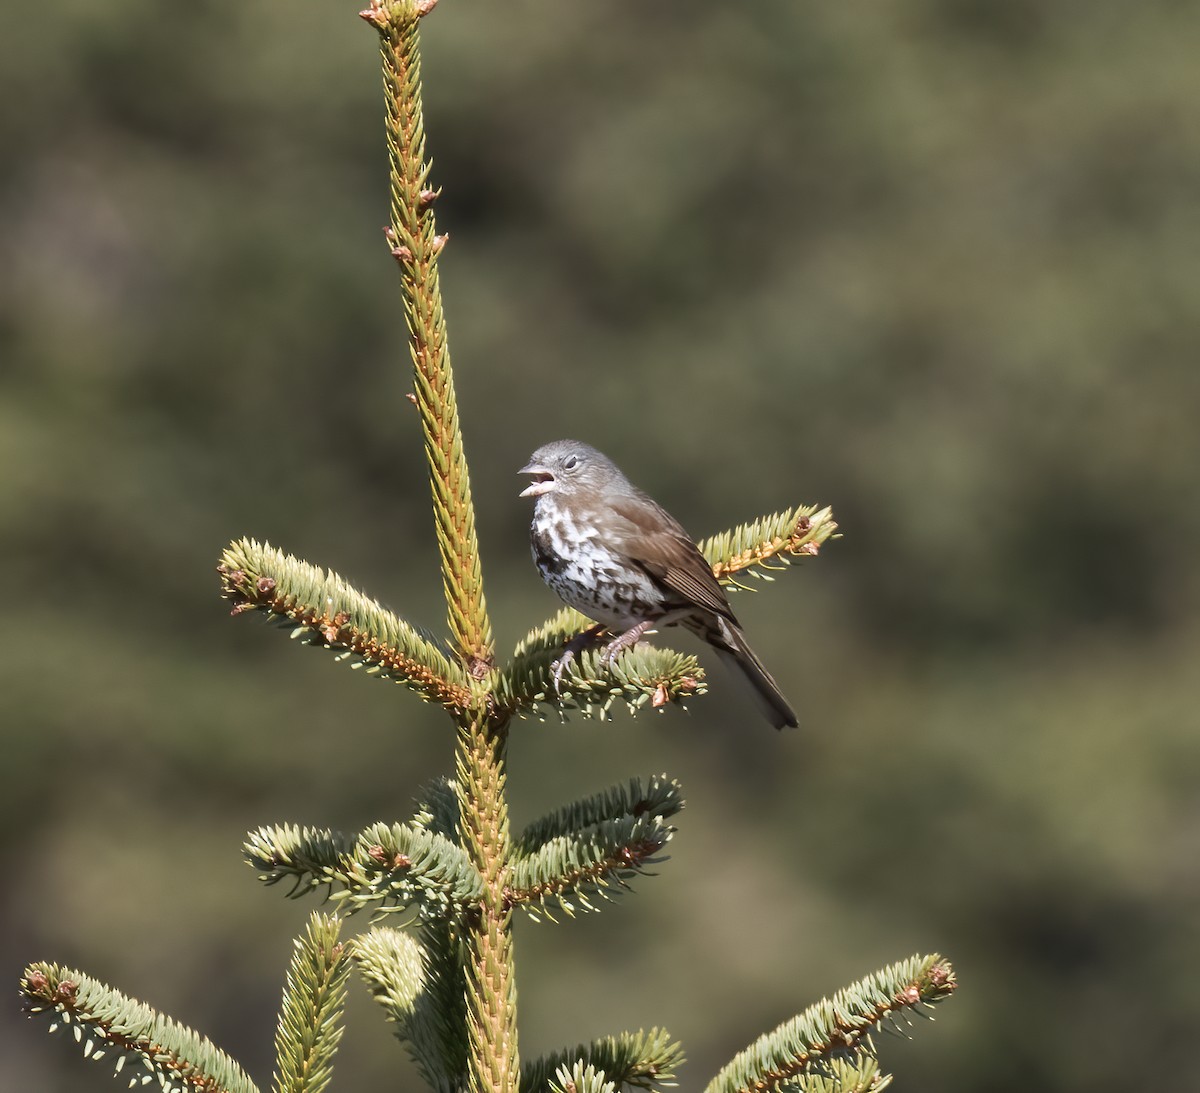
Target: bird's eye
{"points": [[571, 462]]}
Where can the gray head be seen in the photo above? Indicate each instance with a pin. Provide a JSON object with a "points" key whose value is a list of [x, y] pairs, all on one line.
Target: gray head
{"points": [[569, 467]]}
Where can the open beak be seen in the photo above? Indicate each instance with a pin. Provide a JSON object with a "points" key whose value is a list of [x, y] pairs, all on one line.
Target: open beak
{"points": [[543, 480]]}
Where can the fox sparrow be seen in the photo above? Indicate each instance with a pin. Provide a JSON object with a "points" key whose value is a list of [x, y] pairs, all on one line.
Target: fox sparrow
{"points": [[615, 554]]}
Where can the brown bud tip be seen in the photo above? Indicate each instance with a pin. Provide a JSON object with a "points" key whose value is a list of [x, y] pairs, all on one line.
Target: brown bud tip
{"points": [[940, 975], [439, 242], [660, 696], [427, 197], [392, 861], [265, 585], [479, 667], [241, 608], [65, 991], [803, 524], [411, 398], [401, 253], [687, 683], [37, 982], [424, 7], [910, 996], [809, 548], [374, 14]]}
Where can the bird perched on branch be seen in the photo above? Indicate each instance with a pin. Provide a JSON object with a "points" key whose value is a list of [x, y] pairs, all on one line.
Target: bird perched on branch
{"points": [[613, 553]]}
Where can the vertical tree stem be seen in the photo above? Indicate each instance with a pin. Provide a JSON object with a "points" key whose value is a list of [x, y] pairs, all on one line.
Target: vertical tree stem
{"points": [[491, 982], [493, 1063], [416, 246]]}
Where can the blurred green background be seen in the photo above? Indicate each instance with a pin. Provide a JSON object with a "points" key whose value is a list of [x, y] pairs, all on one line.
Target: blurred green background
{"points": [[934, 262]]}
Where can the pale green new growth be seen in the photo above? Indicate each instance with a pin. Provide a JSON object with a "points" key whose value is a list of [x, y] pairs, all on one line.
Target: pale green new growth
{"points": [[141, 1043], [310, 1020], [437, 808], [405, 980], [391, 866], [857, 1073], [581, 1078], [645, 1060]]}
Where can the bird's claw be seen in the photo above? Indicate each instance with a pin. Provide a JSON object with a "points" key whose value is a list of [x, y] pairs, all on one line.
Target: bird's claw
{"points": [[559, 667], [624, 641], [587, 638], [581, 641]]}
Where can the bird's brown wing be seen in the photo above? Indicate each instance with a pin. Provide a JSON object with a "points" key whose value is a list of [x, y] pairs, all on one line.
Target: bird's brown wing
{"points": [[652, 538]]}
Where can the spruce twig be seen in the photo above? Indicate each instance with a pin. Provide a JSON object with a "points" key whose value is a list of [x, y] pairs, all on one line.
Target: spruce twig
{"points": [[390, 866], [781, 538], [107, 1023], [320, 608], [657, 796], [598, 862], [836, 1027]]}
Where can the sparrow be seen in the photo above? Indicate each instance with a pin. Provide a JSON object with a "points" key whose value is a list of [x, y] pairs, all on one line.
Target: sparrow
{"points": [[617, 556]]}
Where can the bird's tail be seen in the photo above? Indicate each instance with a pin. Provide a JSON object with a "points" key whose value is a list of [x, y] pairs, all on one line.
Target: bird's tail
{"points": [[730, 643]]}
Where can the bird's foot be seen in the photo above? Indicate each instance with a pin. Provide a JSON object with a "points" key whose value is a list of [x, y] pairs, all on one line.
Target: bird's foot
{"points": [[585, 639], [624, 641]]}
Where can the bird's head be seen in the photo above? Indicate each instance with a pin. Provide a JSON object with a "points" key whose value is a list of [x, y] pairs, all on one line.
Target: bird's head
{"points": [[566, 467]]}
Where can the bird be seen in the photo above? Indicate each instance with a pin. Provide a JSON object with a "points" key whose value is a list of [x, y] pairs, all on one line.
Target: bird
{"points": [[617, 556]]}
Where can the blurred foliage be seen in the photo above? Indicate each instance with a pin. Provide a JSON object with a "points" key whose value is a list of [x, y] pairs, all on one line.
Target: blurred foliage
{"points": [[932, 262]]}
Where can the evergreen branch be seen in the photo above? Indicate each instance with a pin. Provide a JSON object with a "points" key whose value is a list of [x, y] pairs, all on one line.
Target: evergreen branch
{"points": [[641, 675], [396, 866], [310, 1020], [109, 1023], [415, 244], [660, 796], [598, 861], [836, 1027], [581, 1078], [646, 1060], [405, 982], [781, 538], [321, 609]]}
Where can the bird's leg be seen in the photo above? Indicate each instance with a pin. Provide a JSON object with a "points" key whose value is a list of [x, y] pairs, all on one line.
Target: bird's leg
{"points": [[585, 639], [625, 641]]}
